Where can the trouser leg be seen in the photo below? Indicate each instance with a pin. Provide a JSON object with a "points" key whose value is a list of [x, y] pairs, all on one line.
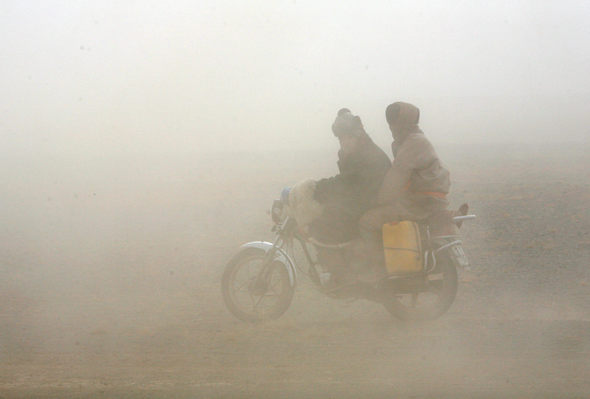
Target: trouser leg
{"points": [[373, 249], [335, 225], [332, 259]]}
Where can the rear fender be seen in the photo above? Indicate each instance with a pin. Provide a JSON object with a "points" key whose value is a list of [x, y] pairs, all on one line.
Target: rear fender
{"points": [[452, 248], [281, 256]]}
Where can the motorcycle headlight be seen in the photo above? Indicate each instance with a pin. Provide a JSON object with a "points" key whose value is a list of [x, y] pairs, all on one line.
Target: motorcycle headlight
{"points": [[285, 194]]}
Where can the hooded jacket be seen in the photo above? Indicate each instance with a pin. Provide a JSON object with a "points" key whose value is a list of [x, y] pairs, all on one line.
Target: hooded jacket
{"points": [[349, 194], [359, 179], [416, 181]]}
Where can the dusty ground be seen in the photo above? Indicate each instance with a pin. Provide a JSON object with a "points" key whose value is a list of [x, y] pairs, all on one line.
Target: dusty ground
{"points": [[111, 267]]}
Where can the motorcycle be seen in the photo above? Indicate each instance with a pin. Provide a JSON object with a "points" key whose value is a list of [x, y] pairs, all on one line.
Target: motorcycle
{"points": [[259, 281]]}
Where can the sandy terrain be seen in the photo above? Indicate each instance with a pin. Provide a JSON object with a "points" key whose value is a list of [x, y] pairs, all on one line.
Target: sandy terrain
{"points": [[111, 267]]}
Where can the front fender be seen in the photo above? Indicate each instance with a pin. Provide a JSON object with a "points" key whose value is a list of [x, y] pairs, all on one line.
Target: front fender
{"points": [[281, 256]]}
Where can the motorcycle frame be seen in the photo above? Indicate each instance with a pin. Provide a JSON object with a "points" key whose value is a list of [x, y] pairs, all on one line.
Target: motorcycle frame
{"points": [[286, 233]]}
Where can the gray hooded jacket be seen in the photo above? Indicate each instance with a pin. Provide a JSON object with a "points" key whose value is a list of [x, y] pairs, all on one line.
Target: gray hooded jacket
{"points": [[417, 182]]}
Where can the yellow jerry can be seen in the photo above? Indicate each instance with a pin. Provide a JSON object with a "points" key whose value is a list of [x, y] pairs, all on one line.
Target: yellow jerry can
{"points": [[403, 247]]}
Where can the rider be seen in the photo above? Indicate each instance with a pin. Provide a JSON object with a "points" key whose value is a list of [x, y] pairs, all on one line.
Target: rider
{"points": [[416, 185], [346, 196]]}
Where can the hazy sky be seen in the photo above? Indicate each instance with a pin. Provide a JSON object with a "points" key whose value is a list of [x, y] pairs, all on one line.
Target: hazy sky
{"points": [[199, 75]]}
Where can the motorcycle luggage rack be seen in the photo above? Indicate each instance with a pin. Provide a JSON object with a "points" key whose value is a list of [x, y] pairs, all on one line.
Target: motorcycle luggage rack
{"points": [[463, 217]]}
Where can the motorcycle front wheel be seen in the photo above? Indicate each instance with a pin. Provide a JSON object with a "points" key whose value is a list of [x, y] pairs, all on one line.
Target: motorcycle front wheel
{"points": [[252, 298], [424, 297]]}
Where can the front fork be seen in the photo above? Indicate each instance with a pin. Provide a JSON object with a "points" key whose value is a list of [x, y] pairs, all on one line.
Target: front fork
{"points": [[260, 285]]}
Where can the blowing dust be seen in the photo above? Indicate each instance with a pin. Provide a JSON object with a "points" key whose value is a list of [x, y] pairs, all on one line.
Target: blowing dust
{"points": [[111, 281]]}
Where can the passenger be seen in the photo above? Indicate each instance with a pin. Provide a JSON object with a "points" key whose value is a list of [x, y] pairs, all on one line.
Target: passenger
{"points": [[416, 185]]}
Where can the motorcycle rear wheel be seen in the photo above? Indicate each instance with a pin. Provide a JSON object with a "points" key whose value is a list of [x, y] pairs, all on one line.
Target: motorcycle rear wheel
{"points": [[430, 303], [251, 302]]}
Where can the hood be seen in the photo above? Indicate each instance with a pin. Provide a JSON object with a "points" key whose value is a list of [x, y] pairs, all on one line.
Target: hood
{"points": [[409, 115], [403, 114], [347, 124], [406, 117]]}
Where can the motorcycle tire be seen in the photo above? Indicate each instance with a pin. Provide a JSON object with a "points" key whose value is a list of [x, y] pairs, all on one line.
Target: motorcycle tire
{"points": [[251, 311], [443, 288]]}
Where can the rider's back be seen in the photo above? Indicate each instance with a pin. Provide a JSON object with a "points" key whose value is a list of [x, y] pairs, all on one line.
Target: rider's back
{"points": [[416, 169]]}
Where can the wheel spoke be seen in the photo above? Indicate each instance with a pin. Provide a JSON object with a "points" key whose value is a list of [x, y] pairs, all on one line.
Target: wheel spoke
{"points": [[258, 302], [259, 296], [436, 283], [437, 291], [237, 289], [252, 300], [435, 277], [435, 286]]}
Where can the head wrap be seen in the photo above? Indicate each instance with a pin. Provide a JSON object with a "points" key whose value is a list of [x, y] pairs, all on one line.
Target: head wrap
{"points": [[403, 114], [347, 124]]}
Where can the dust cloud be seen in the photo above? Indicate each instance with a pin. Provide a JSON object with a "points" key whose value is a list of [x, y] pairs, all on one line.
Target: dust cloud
{"points": [[112, 273], [142, 144]]}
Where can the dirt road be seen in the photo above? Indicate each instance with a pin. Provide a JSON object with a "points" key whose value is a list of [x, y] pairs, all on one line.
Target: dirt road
{"points": [[111, 270]]}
